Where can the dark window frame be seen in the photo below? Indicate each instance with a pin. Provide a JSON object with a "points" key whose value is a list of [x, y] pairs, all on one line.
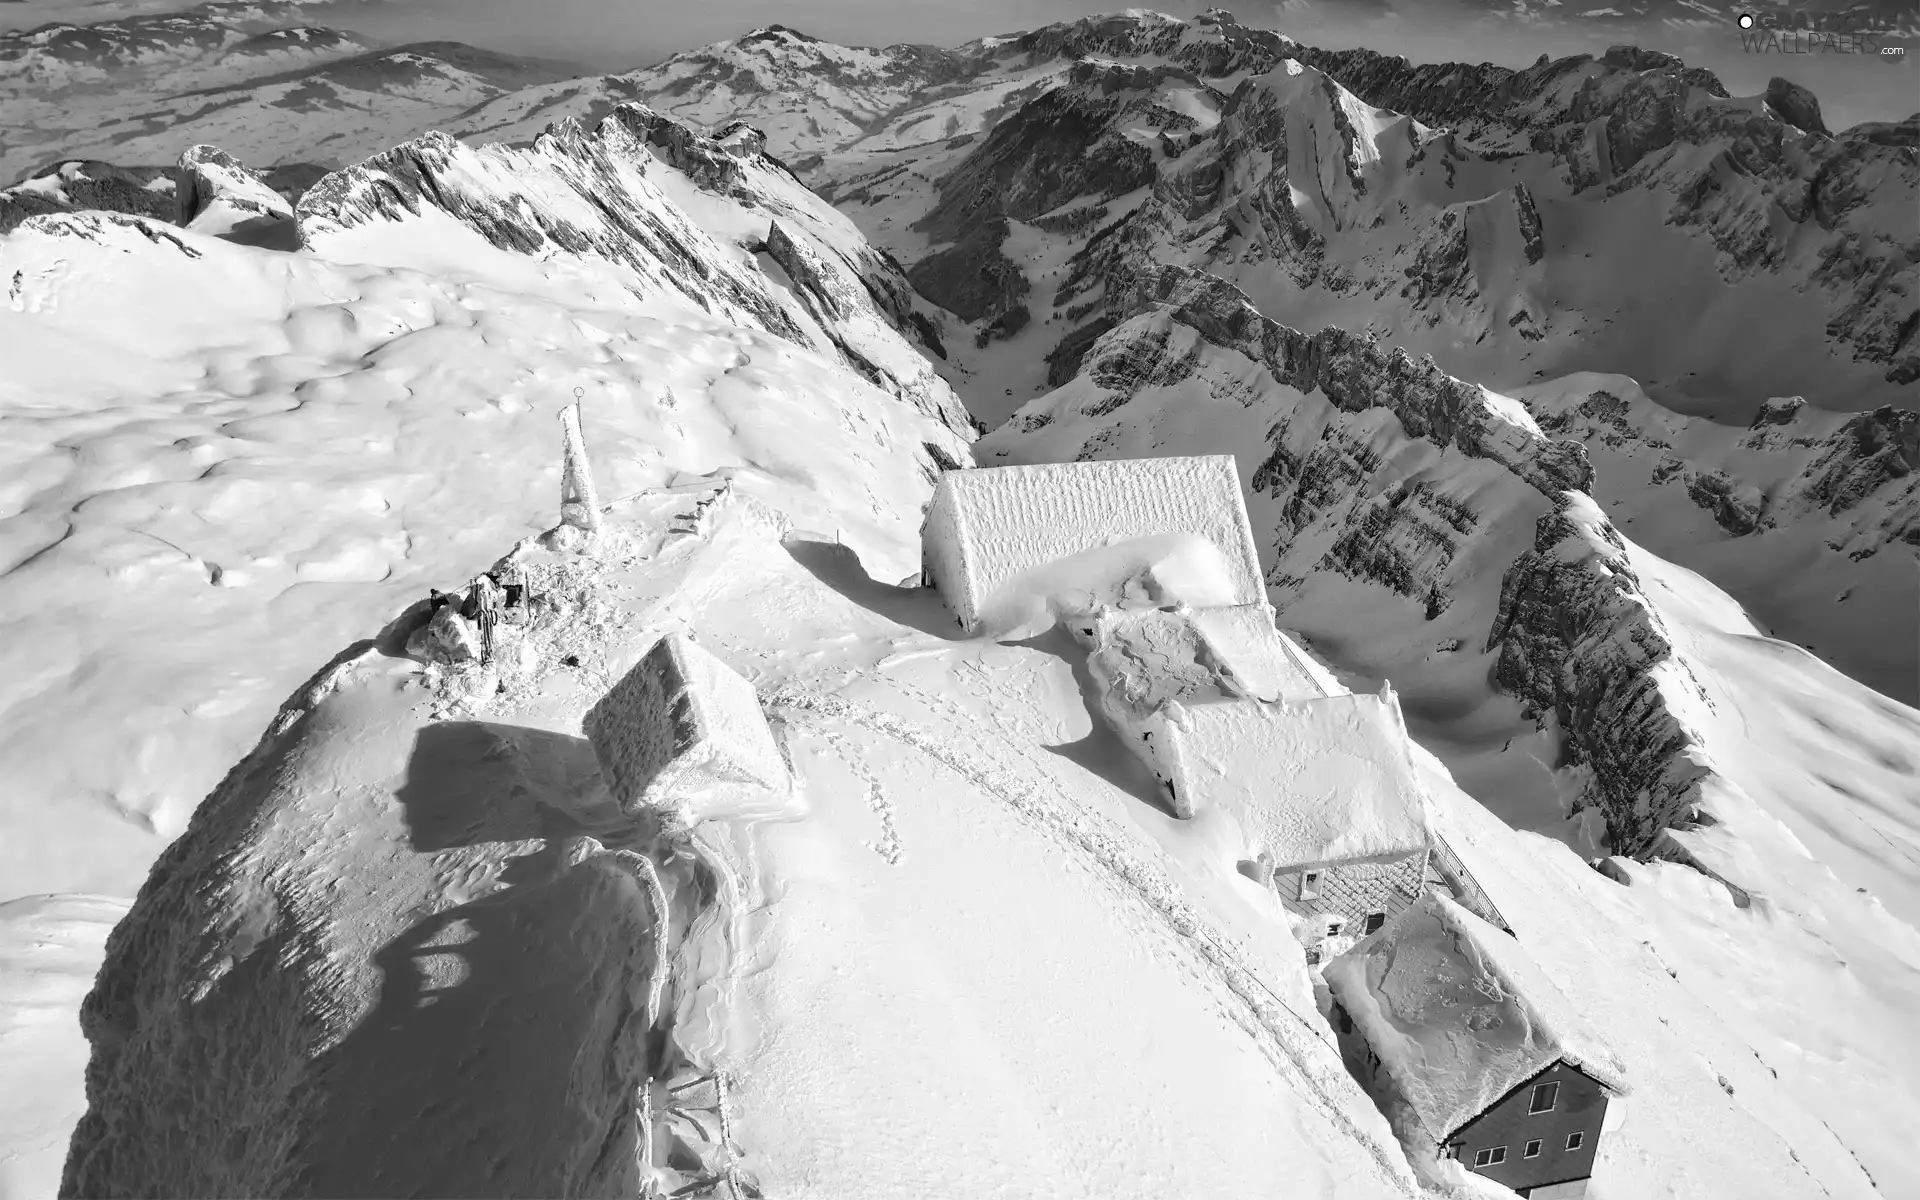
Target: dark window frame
{"points": [[1532, 1150], [1550, 1092], [1492, 1156], [1576, 1139], [1374, 921]]}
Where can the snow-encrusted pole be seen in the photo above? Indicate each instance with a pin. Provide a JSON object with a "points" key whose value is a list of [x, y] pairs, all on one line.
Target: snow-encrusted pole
{"points": [[579, 503]]}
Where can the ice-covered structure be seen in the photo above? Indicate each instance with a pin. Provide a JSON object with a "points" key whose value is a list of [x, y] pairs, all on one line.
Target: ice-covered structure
{"points": [[1070, 537], [1450, 1021], [682, 735], [1326, 793]]}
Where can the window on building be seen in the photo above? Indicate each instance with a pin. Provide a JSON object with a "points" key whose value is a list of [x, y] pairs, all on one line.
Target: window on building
{"points": [[1309, 885], [1544, 1097], [1453, 1151], [1375, 920], [1576, 1140], [1533, 1149], [1492, 1156]]}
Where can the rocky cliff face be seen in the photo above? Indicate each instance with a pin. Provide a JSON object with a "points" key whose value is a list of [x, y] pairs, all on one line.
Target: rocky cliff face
{"points": [[1854, 477], [1578, 640], [1426, 196], [213, 193], [1368, 470], [1637, 120]]}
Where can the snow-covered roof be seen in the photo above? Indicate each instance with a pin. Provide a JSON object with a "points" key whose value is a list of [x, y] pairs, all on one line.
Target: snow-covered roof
{"points": [[1460, 1014], [1198, 656], [1321, 781], [683, 733], [1085, 527]]}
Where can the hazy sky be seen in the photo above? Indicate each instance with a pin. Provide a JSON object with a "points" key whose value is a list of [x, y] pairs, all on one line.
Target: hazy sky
{"points": [[626, 33], [611, 35]]}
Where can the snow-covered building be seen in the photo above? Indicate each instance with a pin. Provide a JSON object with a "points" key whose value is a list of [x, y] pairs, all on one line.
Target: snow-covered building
{"points": [[1326, 793], [682, 735], [1071, 537], [1452, 1025]]}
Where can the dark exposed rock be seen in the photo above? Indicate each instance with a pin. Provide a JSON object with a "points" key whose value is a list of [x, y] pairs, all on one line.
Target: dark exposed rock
{"points": [[1063, 361], [1635, 58], [75, 184], [1869, 452], [1578, 638], [1781, 410], [1356, 374], [1530, 232], [1637, 119], [1795, 105], [1732, 509]]}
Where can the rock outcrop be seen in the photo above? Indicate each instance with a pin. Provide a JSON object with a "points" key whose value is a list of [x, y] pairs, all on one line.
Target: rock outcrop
{"points": [[1356, 375], [213, 193], [1578, 639], [73, 185]]}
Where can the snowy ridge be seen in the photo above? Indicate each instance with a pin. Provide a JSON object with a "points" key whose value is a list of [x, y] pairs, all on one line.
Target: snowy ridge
{"points": [[394, 871], [598, 202], [72, 184], [1799, 511], [215, 194]]}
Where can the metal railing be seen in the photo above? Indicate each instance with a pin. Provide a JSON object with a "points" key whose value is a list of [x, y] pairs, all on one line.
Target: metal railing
{"points": [[1466, 889]]}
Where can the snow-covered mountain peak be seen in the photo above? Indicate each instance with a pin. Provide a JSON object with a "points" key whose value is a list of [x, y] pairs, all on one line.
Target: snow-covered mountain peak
{"points": [[640, 203]]}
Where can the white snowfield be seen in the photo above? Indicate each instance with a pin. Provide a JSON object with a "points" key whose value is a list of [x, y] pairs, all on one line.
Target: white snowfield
{"points": [[1460, 1014], [982, 961]]}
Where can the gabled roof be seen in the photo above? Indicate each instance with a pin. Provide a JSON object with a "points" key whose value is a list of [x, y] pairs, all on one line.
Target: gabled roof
{"points": [[1460, 1014], [1322, 781], [1067, 525], [683, 733]]}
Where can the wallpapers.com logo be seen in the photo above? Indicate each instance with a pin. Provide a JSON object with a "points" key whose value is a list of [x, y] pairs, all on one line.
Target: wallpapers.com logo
{"points": [[1853, 31]]}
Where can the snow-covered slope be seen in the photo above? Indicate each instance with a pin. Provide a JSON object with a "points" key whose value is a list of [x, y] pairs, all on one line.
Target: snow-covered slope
{"points": [[978, 894], [226, 460], [1421, 529]]}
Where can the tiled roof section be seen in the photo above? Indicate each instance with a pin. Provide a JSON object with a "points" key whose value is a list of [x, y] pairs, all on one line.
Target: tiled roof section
{"points": [[1016, 519]]}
